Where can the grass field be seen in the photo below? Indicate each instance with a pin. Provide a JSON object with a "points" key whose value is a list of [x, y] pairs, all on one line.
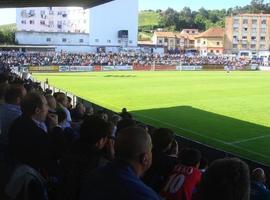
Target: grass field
{"points": [[226, 111]]}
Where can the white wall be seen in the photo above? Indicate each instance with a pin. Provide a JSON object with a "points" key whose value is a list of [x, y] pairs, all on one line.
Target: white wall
{"points": [[107, 19], [40, 38]]}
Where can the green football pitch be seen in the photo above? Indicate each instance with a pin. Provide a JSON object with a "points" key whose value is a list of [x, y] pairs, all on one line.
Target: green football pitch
{"points": [[226, 111]]}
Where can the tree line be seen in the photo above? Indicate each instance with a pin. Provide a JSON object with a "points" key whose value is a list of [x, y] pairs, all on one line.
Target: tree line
{"points": [[173, 20]]}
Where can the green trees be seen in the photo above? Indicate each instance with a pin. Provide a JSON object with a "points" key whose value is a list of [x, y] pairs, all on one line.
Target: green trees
{"points": [[7, 34]]}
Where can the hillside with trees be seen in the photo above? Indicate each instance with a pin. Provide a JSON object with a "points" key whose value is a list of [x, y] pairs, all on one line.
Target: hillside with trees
{"points": [[202, 19]]}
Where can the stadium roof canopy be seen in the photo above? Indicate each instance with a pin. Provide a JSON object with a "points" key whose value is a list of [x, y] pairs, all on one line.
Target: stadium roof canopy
{"points": [[50, 3]]}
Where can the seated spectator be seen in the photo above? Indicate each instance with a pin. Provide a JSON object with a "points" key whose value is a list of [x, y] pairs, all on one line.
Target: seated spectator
{"points": [[51, 102], [84, 156], [62, 101], [186, 174], [78, 113], [3, 89], [163, 163], [121, 179], [125, 114], [125, 123], [30, 141], [103, 114], [225, 179], [115, 119], [89, 110], [10, 110], [259, 190], [69, 103], [203, 165]]}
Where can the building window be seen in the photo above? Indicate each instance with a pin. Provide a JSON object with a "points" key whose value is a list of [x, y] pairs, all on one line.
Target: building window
{"points": [[109, 41], [24, 13], [187, 31], [64, 39], [254, 30], [166, 40], [217, 51], [253, 37], [236, 21], [43, 14], [51, 12], [48, 39], [204, 42], [262, 38], [59, 24], [263, 21], [263, 30], [254, 21], [23, 21], [193, 32], [218, 43], [253, 46], [51, 24], [59, 13], [244, 46], [177, 41], [262, 46], [160, 41], [235, 46], [96, 40], [245, 29], [198, 41], [81, 40], [235, 29], [171, 41], [212, 51], [244, 37], [42, 22], [245, 21], [235, 37], [31, 13], [32, 22], [130, 41]]}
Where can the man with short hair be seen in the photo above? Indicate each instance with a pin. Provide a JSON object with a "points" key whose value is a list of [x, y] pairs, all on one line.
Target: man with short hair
{"points": [[121, 179], [184, 178], [225, 179], [30, 141], [259, 190], [10, 110]]}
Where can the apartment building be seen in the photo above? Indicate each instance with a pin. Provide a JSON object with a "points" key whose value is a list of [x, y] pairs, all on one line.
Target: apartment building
{"points": [[248, 34]]}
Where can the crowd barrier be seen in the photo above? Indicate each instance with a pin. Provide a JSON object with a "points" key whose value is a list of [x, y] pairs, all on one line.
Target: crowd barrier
{"points": [[43, 68]]}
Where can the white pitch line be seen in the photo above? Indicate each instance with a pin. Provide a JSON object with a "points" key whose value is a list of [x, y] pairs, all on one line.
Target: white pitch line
{"points": [[249, 139], [207, 137]]}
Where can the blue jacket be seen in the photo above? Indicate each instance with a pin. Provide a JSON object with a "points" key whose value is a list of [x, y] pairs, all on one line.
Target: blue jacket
{"points": [[259, 191], [116, 181]]}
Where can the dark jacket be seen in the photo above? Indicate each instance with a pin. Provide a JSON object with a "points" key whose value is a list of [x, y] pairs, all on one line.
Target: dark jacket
{"points": [[116, 181], [31, 145], [76, 164], [162, 165]]}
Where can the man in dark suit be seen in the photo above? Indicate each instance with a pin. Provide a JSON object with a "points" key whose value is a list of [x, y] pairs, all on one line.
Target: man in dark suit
{"points": [[31, 142]]}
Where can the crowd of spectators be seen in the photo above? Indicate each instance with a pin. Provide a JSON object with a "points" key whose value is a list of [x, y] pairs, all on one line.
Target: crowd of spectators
{"points": [[50, 150], [10, 59]]}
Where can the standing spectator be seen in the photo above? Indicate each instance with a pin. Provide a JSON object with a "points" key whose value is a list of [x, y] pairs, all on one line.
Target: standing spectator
{"points": [[125, 114], [163, 164], [84, 156], [259, 190], [121, 179], [186, 175], [10, 110], [30, 142], [78, 113], [62, 101], [225, 179]]}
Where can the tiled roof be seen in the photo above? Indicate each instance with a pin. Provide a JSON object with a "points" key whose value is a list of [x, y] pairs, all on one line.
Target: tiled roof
{"points": [[212, 32], [174, 35]]}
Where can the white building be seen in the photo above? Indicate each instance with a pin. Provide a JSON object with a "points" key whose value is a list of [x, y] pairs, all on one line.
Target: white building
{"points": [[114, 24], [109, 26], [52, 19]]}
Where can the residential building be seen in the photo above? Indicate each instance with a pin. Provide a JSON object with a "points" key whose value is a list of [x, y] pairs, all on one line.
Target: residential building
{"points": [[248, 34], [174, 40], [210, 42]]}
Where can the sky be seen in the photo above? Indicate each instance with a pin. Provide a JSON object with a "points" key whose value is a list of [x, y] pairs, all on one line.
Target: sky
{"points": [[8, 16]]}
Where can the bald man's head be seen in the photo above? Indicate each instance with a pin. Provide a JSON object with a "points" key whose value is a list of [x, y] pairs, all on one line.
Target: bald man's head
{"points": [[258, 175], [134, 145]]}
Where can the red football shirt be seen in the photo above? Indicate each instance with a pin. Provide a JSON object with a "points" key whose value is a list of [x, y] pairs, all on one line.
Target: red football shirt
{"points": [[181, 183]]}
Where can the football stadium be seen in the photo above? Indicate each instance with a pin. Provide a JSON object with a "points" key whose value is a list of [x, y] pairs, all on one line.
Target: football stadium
{"points": [[134, 99]]}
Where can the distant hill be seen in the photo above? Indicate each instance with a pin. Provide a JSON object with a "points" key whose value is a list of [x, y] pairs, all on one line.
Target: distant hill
{"points": [[149, 18], [11, 27]]}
